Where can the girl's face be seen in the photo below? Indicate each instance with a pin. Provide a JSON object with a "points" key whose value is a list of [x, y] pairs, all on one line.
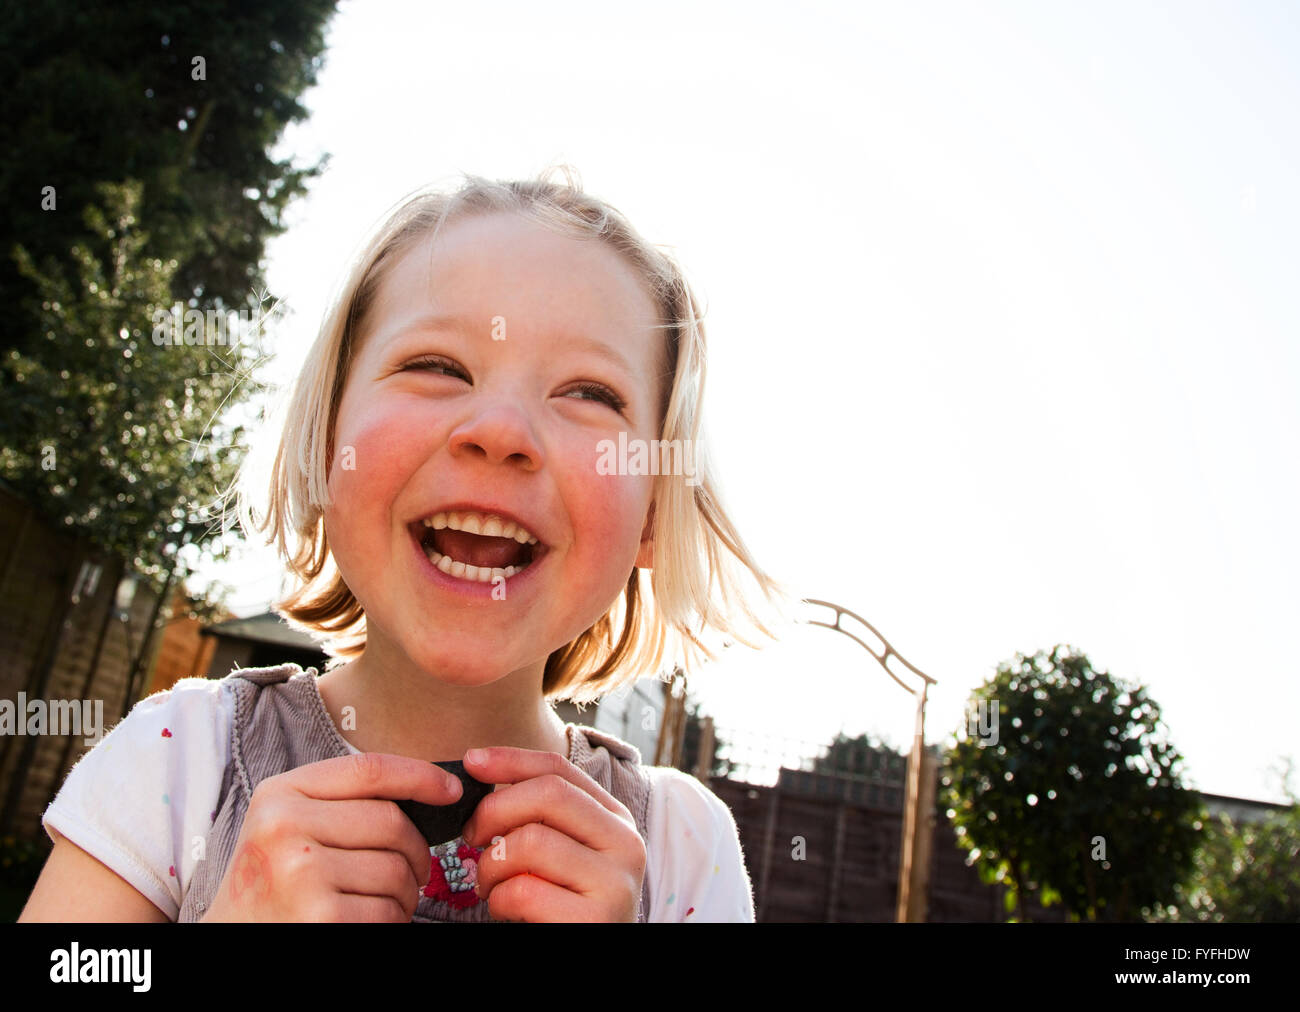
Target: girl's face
{"points": [[488, 370]]}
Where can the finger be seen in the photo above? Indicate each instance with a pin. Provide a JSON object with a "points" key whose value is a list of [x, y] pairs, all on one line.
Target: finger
{"points": [[354, 825], [374, 775], [380, 873], [540, 850], [348, 908], [552, 801], [534, 900], [509, 765]]}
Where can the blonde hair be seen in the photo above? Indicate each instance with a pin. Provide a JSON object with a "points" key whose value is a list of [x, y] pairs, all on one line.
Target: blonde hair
{"points": [[697, 550]]}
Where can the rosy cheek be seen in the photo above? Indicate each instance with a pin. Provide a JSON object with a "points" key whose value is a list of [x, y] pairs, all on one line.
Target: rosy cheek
{"points": [[378, 450], [611, 513]]}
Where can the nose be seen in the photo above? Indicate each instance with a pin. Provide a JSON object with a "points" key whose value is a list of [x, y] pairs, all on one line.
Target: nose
{"points": [[498, 432]]}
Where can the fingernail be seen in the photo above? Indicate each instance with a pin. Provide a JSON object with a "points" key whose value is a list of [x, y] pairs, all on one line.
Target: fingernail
{"points": [[476, 756], [455, 786]]}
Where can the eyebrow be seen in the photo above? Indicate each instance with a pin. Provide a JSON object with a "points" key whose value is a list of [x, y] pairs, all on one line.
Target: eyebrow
{"points": [[601, 350], [471, 329], [436, 322]]}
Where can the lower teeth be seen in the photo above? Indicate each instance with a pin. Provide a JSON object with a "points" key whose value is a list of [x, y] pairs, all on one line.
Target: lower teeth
{"points": [[477, 574]]}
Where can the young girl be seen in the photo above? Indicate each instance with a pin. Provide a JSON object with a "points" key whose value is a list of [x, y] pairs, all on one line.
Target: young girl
{"points": [[447, 492]]}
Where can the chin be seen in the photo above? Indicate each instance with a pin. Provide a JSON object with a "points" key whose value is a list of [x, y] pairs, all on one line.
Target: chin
{"points": [[467, 668]]}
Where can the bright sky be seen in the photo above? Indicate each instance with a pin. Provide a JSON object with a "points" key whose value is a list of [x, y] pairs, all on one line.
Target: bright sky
{"points": [[1001, 304]]}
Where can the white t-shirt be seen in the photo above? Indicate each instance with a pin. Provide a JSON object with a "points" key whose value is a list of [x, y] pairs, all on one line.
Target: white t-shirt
{"points": [[142, 800]]}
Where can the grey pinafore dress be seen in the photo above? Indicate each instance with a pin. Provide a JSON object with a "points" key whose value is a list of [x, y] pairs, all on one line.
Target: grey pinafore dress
{"points": [[280, 724]]}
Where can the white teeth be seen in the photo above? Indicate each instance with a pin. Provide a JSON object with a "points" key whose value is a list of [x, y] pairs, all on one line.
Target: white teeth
{"points": [[477, 574], [482, 524]]}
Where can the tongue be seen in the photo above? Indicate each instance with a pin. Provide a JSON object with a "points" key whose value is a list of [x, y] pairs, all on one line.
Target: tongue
{"points": [[476, 550]]}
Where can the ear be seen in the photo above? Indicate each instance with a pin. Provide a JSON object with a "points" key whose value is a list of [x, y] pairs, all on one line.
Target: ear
{"points": [[645, 555]]}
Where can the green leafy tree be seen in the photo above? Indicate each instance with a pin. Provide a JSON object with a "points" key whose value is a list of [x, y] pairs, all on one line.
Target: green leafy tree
{"points": [[1074, 791], [1243, 872], [188, 99], [107, 432]]}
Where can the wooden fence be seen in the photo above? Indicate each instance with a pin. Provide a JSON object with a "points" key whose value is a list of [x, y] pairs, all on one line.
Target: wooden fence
{"points": [[85, 654], [823, 844], [822, 860]]}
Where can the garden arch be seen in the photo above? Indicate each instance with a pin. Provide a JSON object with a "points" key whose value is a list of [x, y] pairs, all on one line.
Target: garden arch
{"points": [[922, 769]]}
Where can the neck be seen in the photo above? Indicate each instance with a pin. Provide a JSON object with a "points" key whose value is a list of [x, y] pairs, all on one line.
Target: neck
{"points": [[402, 710]]}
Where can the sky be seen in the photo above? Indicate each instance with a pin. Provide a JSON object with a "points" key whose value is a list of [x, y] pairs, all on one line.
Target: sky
{"points": [[1001, 309]]}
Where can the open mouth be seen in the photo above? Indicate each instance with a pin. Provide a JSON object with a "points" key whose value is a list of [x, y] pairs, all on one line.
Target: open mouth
{"points": [[480, 547]]}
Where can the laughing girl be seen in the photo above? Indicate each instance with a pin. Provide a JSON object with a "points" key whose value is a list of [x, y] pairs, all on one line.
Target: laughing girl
{"points": [[467, 557]]}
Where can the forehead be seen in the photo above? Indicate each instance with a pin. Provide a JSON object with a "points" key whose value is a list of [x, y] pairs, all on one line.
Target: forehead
{"points": [[542, 282]]}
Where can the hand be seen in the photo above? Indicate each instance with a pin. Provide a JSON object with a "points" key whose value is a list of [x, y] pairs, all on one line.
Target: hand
{"points": [[319, 844], [557, 845]]}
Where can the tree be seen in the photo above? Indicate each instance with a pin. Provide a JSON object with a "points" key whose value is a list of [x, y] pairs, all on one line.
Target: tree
{"points": [[691, 736], [187, 99], [1243, 872], [1074, 790], [107, 432], [861, 756], [161, 118]]}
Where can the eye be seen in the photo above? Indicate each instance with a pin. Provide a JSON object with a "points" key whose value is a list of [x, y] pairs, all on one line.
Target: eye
{"points": [[597, 392], [437, 364]]}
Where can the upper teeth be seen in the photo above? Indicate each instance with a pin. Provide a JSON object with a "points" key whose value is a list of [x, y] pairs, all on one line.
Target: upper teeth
{"points": [[486, 524]]}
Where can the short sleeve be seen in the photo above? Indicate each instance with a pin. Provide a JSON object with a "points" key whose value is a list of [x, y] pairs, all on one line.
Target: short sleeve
{"points": [[694, 860], [143, 799]]}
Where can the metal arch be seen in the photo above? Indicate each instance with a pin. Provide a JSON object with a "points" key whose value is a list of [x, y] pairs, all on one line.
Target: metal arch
{"points": [[913, 869], [881, 659]]}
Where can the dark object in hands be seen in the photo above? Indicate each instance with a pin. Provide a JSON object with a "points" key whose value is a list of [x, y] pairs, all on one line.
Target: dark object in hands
{"points": [[440, 823]]}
